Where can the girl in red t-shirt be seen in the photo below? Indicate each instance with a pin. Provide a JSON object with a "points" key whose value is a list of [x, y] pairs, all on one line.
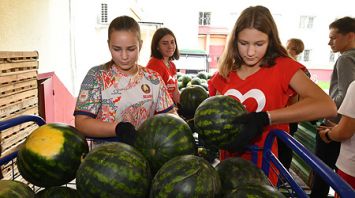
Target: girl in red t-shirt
{"points": [[256, 70], [164, 50]]}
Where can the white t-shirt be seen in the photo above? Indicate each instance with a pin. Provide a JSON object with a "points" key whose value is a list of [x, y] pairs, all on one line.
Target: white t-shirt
{"points": [[346, 159]]}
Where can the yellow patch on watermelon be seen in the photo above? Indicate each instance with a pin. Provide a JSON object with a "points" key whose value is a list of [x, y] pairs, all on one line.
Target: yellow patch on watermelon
{"points": [[45, 141]]}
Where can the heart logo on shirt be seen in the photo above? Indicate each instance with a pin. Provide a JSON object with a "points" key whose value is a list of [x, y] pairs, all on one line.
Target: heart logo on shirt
{"points": [[255, 94]]}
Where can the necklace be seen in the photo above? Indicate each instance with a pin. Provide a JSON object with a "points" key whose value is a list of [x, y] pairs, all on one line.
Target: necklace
{"points": [[167, 64]]}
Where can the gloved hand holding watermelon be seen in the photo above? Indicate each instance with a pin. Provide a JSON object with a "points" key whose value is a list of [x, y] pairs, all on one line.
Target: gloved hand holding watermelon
{"points": [[126, 132], [254, 123]]}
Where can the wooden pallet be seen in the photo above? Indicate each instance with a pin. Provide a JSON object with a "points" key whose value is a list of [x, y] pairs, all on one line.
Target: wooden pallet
{"points": [[19, 72], [13, 138], [18, 95], [17, 88], [13, 56]]}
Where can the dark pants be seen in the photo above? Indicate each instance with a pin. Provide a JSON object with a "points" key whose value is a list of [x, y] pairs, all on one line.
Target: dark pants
{"points": [[328, 153], [285, 153]]}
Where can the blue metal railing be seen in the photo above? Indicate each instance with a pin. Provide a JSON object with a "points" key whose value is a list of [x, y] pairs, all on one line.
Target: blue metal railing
{"points": [[318, 166]]}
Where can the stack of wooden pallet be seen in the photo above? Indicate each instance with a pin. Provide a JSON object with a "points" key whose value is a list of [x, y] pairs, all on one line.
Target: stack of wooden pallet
{"points": [[18, 96]]}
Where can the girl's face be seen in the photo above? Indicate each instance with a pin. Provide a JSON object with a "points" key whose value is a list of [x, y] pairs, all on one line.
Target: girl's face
{"points": [[252, 46], [167, 46], [124, 47], [291, 50]]}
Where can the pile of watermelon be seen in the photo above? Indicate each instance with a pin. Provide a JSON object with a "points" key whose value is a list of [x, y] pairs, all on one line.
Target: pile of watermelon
{"points": [[186, 80], [164, 161]]}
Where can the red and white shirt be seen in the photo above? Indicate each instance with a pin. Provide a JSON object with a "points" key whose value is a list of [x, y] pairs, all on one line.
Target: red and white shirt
{"points": [[265, 90], [168, 74]]}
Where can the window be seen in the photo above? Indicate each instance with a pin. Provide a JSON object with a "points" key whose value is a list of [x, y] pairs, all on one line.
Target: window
{"points": [[306, 22], [103, 18], [306, 55], [204, 18]]}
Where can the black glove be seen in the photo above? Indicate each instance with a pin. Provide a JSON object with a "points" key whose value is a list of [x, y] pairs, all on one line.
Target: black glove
{"points": [[252, 126], [126, 132], [293, 128]]}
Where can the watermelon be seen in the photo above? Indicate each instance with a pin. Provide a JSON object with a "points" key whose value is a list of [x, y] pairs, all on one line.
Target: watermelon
{"points": [[113, 169], [236, 171], [58, 192], [254, 190], [15, 189], [196, 81], [202, 75], [185, 79], [163, 137], [179, 74], [51, 155], [208, 154], [186, 176], [190, 98], [213, 120]]}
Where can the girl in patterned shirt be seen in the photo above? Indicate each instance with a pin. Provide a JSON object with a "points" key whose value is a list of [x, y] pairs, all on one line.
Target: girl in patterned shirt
{"points": [[116, 97]]}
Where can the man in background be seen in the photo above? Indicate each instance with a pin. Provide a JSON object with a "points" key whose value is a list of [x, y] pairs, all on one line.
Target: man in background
{"points": [[342, 40]]}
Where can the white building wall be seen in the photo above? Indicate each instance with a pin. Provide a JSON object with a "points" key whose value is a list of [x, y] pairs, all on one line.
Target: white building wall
{"points": [[70, 41]]}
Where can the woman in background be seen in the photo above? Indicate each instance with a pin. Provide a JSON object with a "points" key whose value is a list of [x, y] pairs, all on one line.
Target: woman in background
{"points": [[164, 50]]}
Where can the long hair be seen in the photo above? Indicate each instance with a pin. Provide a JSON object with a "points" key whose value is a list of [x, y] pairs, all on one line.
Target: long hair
{"points": [[158, 35], [123, 23], [259, 18]]}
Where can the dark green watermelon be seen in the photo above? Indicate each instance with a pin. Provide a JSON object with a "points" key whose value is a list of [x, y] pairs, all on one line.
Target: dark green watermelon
{"points": [[202, 75], [236, 171], [196, 81], [186, 176], [15, 189], [190, 98], [186, 78], [113, 170], [255, 191], [163, 137], [58, 192], [51, 155], [213, 120]]}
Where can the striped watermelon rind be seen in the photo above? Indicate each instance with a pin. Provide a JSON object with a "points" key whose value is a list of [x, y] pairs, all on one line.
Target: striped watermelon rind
{"points": [[213, 120], [58, 192], [236, 171], [186, 176], [15, 189], [254, 190], [190, 98], [163, 137], [114, 170], [45, 169]]}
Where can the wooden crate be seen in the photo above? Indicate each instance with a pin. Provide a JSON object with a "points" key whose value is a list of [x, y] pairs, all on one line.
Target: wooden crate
{"points": [[18, 95]]}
